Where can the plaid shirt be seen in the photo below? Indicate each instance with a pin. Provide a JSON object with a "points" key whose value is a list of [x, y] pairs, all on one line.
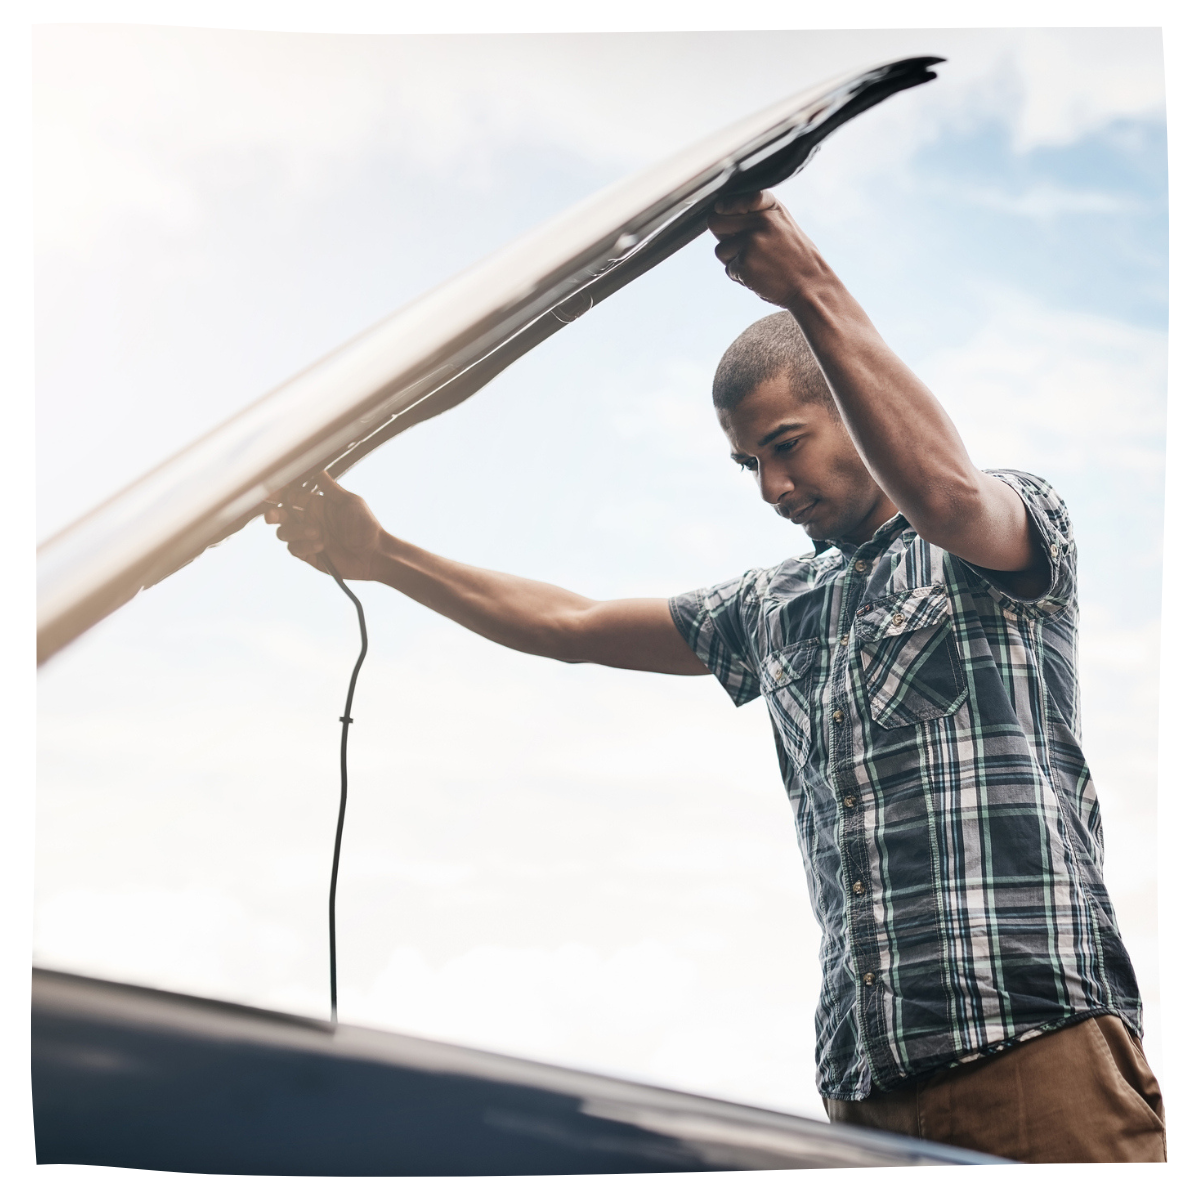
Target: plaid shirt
{"points": [[927, 727]]}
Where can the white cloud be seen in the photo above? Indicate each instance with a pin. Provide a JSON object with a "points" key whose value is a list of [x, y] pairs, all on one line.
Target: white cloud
{"points": [[1044, 202], [199, 939], [1056, 391], [1118, 666], [1076, 81], [142, 122], [643, 1010]]}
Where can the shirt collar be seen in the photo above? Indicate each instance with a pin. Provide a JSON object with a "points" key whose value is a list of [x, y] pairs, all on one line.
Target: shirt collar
{"points": [[882, 537]]}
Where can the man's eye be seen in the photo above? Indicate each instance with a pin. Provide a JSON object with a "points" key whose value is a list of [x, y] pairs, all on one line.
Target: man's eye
{"points": [[751, 464], [784, 447]]}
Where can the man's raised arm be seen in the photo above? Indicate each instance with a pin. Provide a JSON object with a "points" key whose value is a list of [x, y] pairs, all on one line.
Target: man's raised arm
{"points": [[905, 437], [535, 618]]}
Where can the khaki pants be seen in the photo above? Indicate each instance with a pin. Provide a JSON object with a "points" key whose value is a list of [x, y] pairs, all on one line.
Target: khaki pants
{"points": [[1080, 1094]]}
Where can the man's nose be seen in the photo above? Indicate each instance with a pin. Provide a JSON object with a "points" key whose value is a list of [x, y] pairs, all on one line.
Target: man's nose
{"points": [[774, 484]]}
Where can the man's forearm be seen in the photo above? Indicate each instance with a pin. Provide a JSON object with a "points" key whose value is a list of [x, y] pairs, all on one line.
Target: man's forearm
{"points": [[905, 437], [536, 618], [523, 614]]}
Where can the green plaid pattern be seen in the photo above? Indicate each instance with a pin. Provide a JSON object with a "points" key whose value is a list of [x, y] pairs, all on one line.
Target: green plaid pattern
{"points": [[927, 726]]}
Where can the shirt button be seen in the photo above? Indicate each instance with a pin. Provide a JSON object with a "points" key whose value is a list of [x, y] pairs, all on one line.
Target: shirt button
{"points": [[860, 566], [838, 715], [858, 887], [844, 639], [1054, 550], [869, 978], [778, 672], [849, 801], [897, 619]]}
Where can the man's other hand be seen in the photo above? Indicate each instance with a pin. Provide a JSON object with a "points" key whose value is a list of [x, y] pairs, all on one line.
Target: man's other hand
{"points": [[332, 520], [762, 247]]}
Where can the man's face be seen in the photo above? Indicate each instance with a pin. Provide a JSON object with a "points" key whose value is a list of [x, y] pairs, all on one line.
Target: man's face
{"points": [[806, 465]]}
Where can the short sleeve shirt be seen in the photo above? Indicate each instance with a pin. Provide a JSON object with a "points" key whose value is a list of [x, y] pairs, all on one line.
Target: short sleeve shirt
{"points": [[927, 726]]}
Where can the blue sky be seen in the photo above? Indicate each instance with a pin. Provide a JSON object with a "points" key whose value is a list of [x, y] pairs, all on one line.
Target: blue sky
{"points": [[607, 857]]}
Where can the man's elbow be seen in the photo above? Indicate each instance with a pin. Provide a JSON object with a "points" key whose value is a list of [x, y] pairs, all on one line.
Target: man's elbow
{"points": [[570, 636]]}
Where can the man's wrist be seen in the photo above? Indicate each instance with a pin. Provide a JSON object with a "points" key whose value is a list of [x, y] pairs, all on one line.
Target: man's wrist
{"points": [[385, 559], [823, 306]]}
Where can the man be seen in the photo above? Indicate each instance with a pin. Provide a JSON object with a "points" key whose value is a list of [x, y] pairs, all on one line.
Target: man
{"points": [[919, 668]]}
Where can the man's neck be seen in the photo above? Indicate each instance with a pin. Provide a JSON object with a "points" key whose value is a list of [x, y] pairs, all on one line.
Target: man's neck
{"points": [[848, 547]]}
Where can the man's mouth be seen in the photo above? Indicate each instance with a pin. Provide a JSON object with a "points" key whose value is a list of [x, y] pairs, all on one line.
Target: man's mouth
{"points": [[798, 515]]}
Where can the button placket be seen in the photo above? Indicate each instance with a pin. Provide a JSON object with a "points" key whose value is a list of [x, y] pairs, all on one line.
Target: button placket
{"points": [[840, 674], [841, 742], [855, 864]]}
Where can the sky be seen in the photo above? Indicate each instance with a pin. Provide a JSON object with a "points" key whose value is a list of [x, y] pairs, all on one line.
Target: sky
{"points": [[585, 866]]}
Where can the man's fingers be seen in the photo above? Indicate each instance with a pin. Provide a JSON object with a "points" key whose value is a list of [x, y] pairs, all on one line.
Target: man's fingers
{"points": [[727, 249], [297, 496], [723, 227], [306, 548], [295, 531], [330, 487], [747, 203]]}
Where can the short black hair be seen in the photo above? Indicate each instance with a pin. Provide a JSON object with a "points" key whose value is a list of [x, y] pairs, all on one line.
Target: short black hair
{"points": [[772, 346]]}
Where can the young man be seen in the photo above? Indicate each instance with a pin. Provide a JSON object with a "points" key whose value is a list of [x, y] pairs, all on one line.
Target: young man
{"points": [[919, 668]]}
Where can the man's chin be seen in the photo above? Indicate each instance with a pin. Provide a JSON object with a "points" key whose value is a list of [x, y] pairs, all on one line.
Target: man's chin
{"points": [[803, 517], [821, 530], [810, 520], [817, 522]]}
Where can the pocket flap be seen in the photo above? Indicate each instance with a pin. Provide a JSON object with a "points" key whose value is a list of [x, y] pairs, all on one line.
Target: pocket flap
{"points": [[782, 668], [895, 616]]}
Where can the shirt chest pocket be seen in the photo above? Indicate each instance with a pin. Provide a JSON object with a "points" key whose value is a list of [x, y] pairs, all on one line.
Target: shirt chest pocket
{"points": [[784, 678], [911, 668]]}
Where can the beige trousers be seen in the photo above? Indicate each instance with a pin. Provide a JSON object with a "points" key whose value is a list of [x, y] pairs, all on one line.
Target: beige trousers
{"points": [[1080, 1094]]}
